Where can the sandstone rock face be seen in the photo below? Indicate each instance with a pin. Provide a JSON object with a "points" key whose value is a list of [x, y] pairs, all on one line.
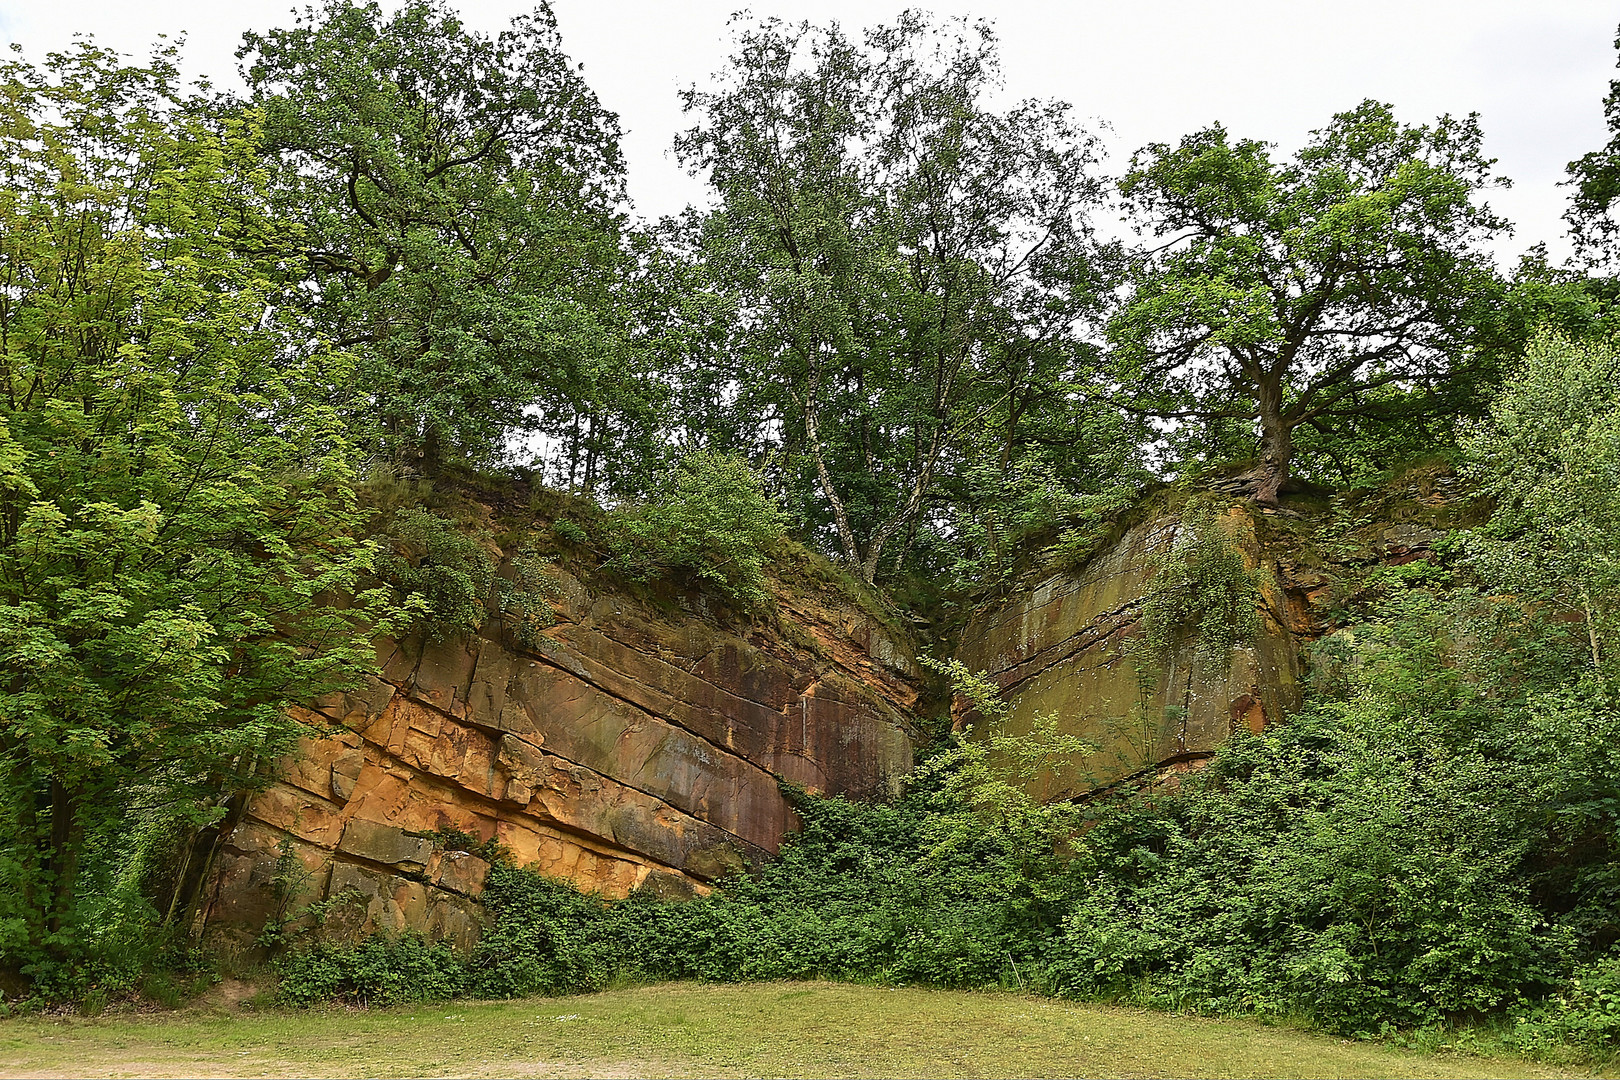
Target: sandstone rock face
{"points": [[1063, 646], [634, 748]]}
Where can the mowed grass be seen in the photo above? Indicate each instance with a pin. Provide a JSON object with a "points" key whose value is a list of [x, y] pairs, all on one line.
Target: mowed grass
{"points": [[761, 1029]]}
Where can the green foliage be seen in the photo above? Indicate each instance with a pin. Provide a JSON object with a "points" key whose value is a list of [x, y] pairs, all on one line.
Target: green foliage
{"points": [[427, 556], [904, 265], [1088, 525], [987, 780], [998, 513], [1363, 865], [491, 851], [1203, 586], [378, 971], [1549, 455], [570, 531], [455, 576], [1287, 293], [713, 520], [1585, 1014], [178, 525], [1595, 177], [460, 197]]}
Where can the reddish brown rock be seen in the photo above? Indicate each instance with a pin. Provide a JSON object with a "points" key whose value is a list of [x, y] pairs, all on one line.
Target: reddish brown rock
{"points": [[631, 749]]}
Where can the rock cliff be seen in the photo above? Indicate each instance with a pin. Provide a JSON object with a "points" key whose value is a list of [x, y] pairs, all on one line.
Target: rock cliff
{"points": [[637, 744], [635, 747], [1065, 639]]}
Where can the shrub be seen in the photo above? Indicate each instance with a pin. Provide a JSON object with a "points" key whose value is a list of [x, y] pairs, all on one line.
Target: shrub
{"points": [[1586, 1014], [1370, 864], [713, 521], [1202, 585], [379, 971], [455, 576]]}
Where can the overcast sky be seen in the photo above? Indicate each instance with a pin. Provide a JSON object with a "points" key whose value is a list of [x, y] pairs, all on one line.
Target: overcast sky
{"points": [[1153, 69]]}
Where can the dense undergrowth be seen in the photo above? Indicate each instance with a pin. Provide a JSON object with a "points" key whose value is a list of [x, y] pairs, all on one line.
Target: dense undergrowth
{"points": [[1422, 849]]}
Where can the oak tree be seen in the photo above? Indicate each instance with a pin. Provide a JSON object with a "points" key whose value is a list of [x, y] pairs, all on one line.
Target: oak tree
{"points": [[1283, 293]]}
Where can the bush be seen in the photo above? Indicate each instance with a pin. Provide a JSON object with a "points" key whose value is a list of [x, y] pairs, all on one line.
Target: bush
{"points": [[713, 521], [1372, 864], [1585, 1015], [1203, 585], [1313, 875], [454, 575], [379, 971]]}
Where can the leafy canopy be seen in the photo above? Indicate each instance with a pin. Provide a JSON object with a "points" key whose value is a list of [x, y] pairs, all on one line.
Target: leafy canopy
{"points": [[177, 516], [902, 259], [1549, 456], [1301, 292], [461, 197]]}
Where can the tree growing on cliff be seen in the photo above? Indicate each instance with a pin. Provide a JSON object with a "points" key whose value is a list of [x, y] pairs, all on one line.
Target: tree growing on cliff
{"points": [[176, 505], [903, 259], [1340, 285], [462, 200]]}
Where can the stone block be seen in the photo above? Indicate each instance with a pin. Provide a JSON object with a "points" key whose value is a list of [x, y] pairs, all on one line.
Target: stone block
{"points": [[386, 844], [461, 872], [345, 773]]}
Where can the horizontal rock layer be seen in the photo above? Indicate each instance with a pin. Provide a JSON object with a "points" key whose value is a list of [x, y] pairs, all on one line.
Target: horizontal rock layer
{"points": [[632, 749]]}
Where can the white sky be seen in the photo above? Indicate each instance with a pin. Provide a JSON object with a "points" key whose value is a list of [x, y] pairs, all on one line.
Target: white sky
{"points": [[1536, 70]]}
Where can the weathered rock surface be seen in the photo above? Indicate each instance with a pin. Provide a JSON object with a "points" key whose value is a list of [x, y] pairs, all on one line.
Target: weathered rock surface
{"points": [[1062, 646], [633, 749]]}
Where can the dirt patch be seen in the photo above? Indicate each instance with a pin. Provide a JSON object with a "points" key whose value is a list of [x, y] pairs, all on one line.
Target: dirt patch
{"points": [[229, 994]]}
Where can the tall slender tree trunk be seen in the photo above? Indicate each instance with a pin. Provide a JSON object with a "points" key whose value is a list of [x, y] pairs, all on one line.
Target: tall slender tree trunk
{"points": [[846, 534]]}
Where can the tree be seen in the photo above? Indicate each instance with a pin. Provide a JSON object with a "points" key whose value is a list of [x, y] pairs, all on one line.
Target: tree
{"points": [[177, 512], [1293, 293], [1549, 457], [1596, 180], [902, 258], [462, 199]]}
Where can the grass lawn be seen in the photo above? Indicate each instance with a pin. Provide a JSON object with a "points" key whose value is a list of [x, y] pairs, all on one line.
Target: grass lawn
{"points": [[681, 1029]]}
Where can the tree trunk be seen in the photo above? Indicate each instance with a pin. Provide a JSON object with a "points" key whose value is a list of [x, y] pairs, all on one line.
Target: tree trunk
{"points": [[432, 450], [1276, 446], [846, 534], [67, 837]]}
